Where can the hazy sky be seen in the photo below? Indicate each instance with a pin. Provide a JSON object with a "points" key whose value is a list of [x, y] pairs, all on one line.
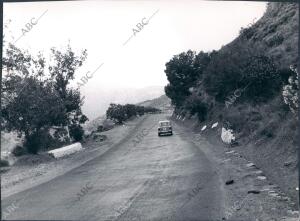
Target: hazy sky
{"points": [[102, 27]]}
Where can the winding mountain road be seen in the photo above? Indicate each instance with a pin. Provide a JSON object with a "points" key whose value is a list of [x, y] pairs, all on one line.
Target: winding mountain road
{"points": [[151, 178]]}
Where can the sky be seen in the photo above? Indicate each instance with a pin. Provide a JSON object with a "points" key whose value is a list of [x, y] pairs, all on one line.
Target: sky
{"points": [[102, 27]]}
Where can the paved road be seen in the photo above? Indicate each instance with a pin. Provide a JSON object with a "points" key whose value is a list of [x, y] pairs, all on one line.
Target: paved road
{"points": [[153, 178]]}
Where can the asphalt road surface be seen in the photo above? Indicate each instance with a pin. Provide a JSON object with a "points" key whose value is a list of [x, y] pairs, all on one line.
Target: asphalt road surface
{"points": [[151, 178]]}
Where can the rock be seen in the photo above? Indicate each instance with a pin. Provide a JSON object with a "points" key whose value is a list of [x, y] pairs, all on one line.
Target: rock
{"points": [[214, 125], [229, 152], [274, 194], [254, 191], [261, 178], [99, 136], [250, 165], [234, 143], [285, 198], [286, 164], [227, 136], [203, 128], [291, 212], [226, 160], [229, 182]]}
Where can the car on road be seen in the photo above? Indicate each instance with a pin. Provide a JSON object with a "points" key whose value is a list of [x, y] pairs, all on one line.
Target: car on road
{"points": [[164, 127]]}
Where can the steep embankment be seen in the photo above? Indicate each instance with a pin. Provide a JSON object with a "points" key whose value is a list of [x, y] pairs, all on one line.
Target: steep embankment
{"points": [[275, 34], [266, 132]]}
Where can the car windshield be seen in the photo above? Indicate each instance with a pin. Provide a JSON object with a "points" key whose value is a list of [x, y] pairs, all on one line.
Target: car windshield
{"points": [[164, 124]]}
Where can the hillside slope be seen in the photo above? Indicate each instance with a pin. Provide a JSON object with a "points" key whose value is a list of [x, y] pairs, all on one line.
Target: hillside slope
{"points": [[275, 34], [163, 103], [265, 128]]}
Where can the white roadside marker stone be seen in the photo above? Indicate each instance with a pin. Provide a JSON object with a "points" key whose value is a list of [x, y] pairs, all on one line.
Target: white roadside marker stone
{"points": [[250, 165], [230, 152], [214, 125], [261, 177]]}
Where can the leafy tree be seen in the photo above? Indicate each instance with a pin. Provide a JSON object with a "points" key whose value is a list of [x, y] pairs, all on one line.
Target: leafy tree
{"points": [[183, 71], [119, 113], [32, 101], [62, 69]]}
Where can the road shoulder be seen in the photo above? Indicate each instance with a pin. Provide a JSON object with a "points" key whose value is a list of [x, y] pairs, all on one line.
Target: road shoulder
{"points": [[265, 201]]}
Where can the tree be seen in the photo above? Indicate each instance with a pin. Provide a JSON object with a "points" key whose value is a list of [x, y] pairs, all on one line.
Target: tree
{"points": [[62, 69], [119, 113], [116, 113], [32, 101], [183, 71]]}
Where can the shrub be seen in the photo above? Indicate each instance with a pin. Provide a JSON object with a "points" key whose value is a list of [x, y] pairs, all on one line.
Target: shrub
{"points": [[18, 151], [100, 128], [196, 106], [263, 78], [36, 141], [76, 132], [290, 92], [4, 163]]}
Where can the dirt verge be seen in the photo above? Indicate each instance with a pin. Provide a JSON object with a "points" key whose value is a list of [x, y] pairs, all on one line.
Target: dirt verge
{"points": [[250, 194]]}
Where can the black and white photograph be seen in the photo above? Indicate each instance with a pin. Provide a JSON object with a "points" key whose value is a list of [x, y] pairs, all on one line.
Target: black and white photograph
{"points": [[150, 110]]}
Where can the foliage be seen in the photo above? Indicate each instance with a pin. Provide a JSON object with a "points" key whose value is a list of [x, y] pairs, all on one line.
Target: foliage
{"points": [[290, 92], [33, 100], [4, 163], [233, 69], [76, 132], [18, 151], [39, 139], [120, 113], [263, 78], [182, 72], [196, 106]]}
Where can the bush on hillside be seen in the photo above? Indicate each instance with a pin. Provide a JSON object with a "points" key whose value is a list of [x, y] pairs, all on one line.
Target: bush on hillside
{"points": [[18, 151], [290, 92], [4, 163], [36, 141], [261, 77], [196, 106], [76, 132]]}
